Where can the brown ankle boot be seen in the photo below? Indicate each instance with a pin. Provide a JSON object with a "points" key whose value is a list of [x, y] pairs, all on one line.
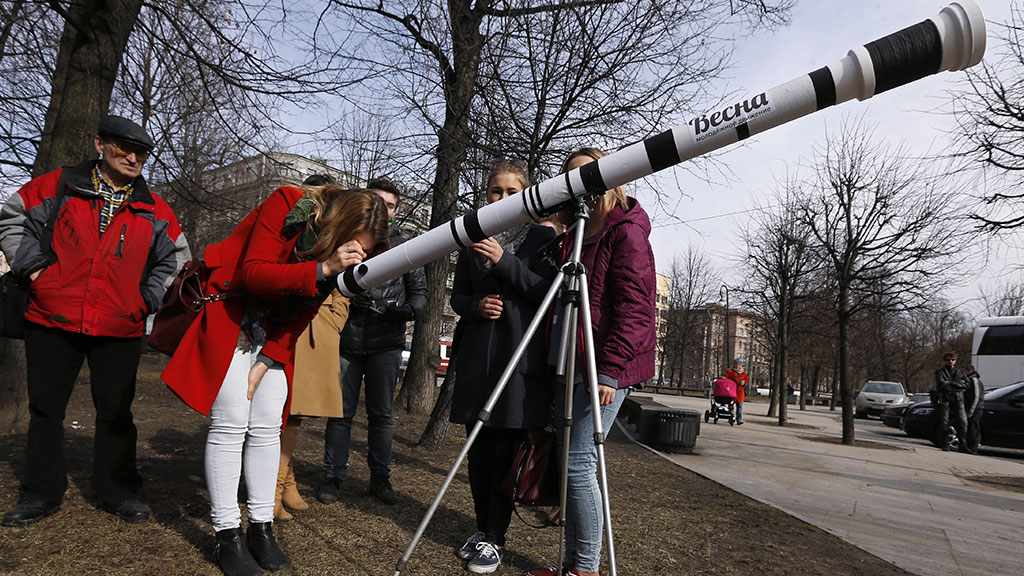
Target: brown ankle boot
{"points": [[280, 514], [290, 496]]}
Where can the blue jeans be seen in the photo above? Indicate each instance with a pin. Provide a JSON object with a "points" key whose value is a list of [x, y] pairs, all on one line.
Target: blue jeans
{"points": [[584, 519], [380, 371], [739, 411]]}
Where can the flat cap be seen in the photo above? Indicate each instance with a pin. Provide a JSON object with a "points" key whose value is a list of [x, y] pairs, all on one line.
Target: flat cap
{"points": [[125, 129]]}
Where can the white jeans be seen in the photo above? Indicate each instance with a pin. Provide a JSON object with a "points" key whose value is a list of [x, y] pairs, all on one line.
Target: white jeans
{"points": [[235, 422]]}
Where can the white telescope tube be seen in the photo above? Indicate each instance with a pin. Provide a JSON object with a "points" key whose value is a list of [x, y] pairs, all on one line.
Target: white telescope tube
{"points": [[952, 40]]}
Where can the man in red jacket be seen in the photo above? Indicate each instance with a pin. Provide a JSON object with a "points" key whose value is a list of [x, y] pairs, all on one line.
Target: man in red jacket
{"points": [[115, 248]]}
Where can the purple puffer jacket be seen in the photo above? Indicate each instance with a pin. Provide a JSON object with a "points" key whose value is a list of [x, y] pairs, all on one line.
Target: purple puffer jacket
{"points": [[621, 274]]}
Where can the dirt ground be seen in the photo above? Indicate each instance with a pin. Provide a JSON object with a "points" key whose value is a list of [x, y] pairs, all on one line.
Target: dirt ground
{"points": [[667, 520]]}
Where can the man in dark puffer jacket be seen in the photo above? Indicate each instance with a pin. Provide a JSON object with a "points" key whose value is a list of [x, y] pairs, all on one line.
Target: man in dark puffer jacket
{"points": [[371, 349]]}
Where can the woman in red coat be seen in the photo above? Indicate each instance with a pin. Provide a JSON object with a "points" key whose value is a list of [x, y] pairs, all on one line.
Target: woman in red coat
{"points": [[236, 360]]}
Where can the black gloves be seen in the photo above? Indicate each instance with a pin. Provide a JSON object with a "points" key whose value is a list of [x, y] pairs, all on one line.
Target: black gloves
{"points": [[398, 313]]}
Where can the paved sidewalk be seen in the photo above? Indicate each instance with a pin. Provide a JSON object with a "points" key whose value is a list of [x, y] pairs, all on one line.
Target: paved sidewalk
{"points": [[910, 504]]}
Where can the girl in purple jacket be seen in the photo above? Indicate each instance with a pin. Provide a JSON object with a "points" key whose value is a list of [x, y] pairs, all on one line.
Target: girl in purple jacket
{"points": [[621, 277]]}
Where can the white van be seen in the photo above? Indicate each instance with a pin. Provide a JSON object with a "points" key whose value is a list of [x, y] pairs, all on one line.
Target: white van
{"points": [[998, 350]]}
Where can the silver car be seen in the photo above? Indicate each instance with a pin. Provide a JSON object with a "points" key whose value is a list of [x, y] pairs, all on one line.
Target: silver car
{"points": [[877, 395]]}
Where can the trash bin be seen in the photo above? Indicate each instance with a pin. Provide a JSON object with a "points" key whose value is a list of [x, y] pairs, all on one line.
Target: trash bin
{"points": [[678, 430]]}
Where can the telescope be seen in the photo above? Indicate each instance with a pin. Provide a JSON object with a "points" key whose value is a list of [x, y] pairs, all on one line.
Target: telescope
{"points": [[954, 39]]}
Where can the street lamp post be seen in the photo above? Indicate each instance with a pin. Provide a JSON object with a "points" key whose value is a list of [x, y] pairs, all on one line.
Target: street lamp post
{"points": [[723, 293]]}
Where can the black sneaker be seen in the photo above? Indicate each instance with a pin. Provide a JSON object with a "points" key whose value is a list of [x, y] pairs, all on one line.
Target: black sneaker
{"points": [[329, 491], [487, 559], [380, 487], [468, 550]]}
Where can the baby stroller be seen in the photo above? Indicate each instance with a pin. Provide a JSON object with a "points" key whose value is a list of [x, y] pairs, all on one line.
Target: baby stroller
{"points": [[723, 396]]}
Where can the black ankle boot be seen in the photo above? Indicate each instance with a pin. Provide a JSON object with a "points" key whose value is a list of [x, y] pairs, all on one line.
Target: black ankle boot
{"points": [[263, 546], [233, 556]]}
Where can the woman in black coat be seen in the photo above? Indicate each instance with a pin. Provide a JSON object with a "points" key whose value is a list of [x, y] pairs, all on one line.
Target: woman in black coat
{"points": [[499, 283]]}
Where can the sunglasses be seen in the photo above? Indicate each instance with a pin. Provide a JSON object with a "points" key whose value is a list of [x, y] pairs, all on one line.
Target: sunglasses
{"points": [[122, 149]]}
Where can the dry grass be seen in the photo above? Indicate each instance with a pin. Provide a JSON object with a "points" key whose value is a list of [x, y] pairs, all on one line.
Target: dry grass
{"points": [[667, 520]]}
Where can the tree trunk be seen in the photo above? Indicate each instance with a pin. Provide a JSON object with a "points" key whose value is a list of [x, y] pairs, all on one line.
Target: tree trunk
{"points": [[453, 141], [91, 46], [803, 387], [835, 386], [845, 392], [438, 424], [785, 314], [13, 392]]}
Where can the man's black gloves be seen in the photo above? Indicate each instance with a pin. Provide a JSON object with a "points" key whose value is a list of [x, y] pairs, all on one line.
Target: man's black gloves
{"points": [[398, 312]]}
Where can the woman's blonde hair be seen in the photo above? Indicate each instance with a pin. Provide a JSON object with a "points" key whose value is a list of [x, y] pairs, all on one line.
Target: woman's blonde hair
{"points": [[340, 214], [612, 198], [507, 167]]}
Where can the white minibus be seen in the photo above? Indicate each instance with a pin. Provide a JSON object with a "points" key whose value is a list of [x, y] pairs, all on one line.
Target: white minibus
{"points": [[998, 350]]}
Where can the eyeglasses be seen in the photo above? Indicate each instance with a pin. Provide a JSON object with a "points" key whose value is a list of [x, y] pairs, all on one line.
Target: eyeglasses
{"points": [[122, 149]]}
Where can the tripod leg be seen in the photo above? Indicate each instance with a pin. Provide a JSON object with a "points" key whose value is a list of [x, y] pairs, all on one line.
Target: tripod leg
{"points": [[595, 405], [485, 413], [568, 352]]}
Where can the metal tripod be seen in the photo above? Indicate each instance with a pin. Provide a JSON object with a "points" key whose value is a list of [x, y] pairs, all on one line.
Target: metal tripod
{"points": [[576, 308]]}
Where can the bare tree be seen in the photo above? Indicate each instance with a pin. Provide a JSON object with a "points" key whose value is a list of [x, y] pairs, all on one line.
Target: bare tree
{"points": [[885, 231], [1002, 299], [429, 54], [990, 133], [694, 283], [779, 259]]}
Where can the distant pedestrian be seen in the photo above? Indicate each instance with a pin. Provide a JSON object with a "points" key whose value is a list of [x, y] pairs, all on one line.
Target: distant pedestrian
{"points": [[738, 375], [950, 383], [974, 403], [113, 250]]}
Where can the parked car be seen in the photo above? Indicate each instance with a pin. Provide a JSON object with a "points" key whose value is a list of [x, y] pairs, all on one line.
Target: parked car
{"points": [[877, 395], [1001, 426], [893, 415]]}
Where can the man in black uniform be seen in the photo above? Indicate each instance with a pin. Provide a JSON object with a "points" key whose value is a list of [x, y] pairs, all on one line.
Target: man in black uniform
{"points": [[950, 383]]}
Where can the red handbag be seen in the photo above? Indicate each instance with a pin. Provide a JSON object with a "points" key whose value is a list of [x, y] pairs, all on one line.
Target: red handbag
{"points": [[533, 478], [182, 303]]}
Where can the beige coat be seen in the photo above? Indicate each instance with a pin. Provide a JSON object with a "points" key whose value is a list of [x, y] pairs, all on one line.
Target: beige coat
{"points": [[316, 386]]}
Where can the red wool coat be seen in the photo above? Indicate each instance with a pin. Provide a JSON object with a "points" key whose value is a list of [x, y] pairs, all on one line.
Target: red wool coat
{"points": [[741, 379], [259, 259]]}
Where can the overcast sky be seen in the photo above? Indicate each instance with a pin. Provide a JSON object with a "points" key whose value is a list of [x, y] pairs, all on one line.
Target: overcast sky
{"points": [[821, 32]]}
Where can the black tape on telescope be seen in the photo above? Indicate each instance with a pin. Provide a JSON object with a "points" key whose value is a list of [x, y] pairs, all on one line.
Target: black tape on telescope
{"points": [[824, 87], [661, 150], [349, 278], [472, 223], [593, 182], [905, 56]]}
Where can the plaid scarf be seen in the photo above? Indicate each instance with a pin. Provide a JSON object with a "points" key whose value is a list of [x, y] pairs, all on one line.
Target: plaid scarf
{"points": [[112, 198]]}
